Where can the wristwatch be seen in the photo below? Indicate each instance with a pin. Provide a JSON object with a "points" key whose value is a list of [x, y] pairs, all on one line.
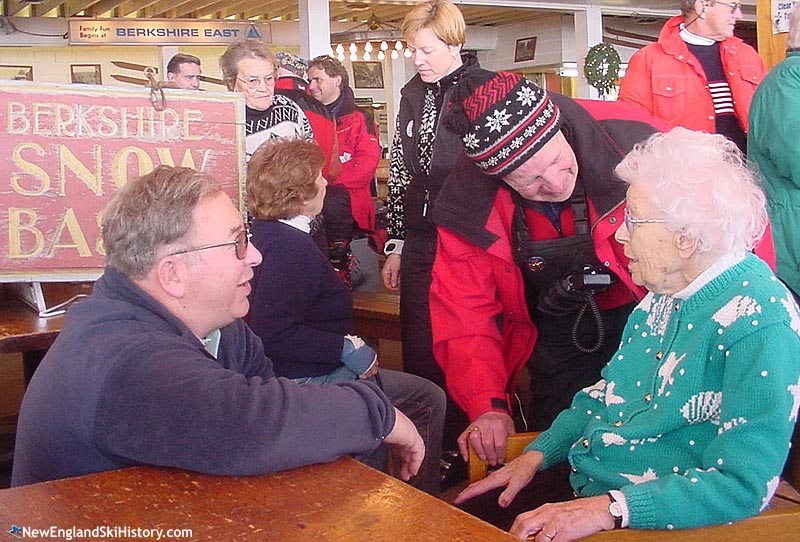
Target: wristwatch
{"points": [[615, 510]]}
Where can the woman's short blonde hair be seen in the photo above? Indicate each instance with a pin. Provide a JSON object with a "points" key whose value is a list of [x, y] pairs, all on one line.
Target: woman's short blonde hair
{"points": [[440, 16], [281, 177]]}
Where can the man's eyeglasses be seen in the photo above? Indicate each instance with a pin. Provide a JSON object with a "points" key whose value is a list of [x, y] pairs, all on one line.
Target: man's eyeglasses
{"points": [[630, 222], [254, 82], [733, 5], [241, 243]]}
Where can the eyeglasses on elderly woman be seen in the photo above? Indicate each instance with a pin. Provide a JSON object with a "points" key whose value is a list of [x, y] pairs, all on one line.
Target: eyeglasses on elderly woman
{"points": [[254, 82], [630, 222]]}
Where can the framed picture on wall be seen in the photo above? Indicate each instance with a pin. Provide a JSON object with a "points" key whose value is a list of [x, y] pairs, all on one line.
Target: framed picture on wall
{"points": [[368, 74], [10, 72], [87, 74], [525, 49]]}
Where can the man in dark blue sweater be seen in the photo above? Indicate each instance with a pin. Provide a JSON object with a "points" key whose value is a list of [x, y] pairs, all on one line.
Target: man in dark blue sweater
{"points": [[156, 368]]}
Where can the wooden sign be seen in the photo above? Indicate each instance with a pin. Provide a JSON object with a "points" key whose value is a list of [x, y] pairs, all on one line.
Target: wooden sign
{"points": [[124, 31], [66, 149]]}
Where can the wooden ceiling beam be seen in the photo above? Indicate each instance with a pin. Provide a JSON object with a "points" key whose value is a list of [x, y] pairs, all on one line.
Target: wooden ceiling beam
{"points": [[190, 9], [13, 7], [212, 8], [73, 7], [279, 8], [240, 7], [103, 6], [341, 13], [389, 11], [134, 6], [38, 10], [493, 17], [283, 6], [389, 14], [166, 8]]}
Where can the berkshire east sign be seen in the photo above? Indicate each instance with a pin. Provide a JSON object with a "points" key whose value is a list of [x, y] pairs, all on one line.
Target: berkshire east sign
{"points": [[65, 150], [84, 31]]}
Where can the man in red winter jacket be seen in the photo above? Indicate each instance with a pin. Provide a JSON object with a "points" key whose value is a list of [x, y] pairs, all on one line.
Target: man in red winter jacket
{"points": [[348, 202], [698, 74], [290, 82]]}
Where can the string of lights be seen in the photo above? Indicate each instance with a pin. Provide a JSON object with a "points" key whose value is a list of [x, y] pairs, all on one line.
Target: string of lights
{"points": [[379, 40]]}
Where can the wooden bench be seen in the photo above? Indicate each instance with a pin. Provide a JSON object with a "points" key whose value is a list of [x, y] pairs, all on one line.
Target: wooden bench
{"points": [[381, 176], [376, 317]]}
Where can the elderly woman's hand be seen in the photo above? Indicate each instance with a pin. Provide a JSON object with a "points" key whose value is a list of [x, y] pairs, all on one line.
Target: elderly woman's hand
{"points": [[514, 476], [565, 521]]}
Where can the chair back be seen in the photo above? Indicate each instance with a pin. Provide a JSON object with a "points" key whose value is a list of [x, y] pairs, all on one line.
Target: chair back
{"points": [[515, 445]]}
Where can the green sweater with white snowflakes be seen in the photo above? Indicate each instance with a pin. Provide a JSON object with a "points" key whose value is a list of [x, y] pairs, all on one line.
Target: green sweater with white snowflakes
{"points": [[694, 413]]}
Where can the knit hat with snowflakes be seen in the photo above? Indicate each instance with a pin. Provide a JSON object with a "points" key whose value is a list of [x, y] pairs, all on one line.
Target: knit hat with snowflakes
{"points": [[502, 118]]}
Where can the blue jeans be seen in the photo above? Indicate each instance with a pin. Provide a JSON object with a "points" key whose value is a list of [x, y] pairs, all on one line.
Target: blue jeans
{"points": [[419, 399]]}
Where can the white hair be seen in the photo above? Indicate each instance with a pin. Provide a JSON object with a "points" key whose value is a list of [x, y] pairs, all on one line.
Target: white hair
{"points": [[794, 29], [703, 187]]}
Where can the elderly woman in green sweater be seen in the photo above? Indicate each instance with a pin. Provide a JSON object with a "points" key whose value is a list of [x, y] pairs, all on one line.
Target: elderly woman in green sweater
{"points": [[706, 378]]}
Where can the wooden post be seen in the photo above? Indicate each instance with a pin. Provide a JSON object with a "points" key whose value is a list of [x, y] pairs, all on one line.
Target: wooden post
{"points": [[771, 47]]}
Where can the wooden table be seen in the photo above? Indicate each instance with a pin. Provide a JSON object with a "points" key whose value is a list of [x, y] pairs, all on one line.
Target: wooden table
{"points": [[376, 315], [343, 501], [22, 331]]}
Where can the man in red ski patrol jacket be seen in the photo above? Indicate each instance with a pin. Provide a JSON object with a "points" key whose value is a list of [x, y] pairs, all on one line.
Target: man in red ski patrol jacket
{"points": [[527, 268]]}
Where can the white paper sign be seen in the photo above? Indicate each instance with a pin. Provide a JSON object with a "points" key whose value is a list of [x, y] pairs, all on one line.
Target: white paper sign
{"points": [[781, 10]]}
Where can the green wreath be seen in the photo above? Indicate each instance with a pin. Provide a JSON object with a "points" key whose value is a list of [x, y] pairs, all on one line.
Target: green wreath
{"points": [[601, 66]]}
